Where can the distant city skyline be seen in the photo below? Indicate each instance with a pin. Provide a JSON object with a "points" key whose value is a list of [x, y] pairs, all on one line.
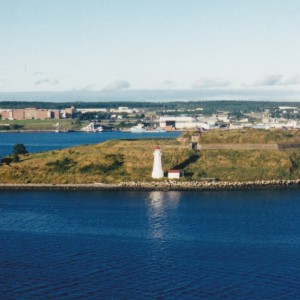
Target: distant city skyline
{"points": [[217, 49]]}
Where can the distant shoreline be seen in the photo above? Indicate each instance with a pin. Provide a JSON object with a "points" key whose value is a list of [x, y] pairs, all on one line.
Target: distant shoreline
{"points": [[159, 186], [70, 131]]}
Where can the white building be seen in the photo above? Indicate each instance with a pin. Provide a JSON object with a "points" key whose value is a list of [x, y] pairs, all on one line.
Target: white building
{"points": [[181, 122], [236, 126], [91, 128], [288, 108], [92, 110], [124, 109], [157, 171], [292, 124], [261, 126], [174, 174]]}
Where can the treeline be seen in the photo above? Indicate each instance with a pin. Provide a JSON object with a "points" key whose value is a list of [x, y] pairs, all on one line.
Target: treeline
{"points": [[209, 107]]}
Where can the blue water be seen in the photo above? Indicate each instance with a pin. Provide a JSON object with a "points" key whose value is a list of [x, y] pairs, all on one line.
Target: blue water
{"points": [[43, 141], [150, 245]]}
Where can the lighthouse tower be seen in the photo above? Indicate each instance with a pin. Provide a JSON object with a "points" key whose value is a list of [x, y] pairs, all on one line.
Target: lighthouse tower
{"points": [[157, 167]]}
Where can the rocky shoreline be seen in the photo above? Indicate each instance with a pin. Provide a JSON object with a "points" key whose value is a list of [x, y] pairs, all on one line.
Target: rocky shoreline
{"points": [[161, 186]]}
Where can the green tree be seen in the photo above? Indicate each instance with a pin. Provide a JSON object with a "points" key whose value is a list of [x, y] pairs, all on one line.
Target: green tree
{"points": [[16, 126], [19, 149], [6, 160], [15, 158]]}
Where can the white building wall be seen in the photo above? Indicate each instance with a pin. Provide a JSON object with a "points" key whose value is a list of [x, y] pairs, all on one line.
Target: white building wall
{"points": [[182, 122], [172, 175]]}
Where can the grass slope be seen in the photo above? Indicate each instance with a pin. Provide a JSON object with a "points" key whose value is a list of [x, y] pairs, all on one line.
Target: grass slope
{"points": [[124, 160], [248, 136]]}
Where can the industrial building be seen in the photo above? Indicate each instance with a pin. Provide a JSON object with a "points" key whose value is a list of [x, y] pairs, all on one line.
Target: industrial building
{"points": [[181, 123]]}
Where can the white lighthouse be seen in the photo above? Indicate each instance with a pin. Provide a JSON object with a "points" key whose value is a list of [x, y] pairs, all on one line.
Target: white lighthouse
{"points": [[157, 167]]}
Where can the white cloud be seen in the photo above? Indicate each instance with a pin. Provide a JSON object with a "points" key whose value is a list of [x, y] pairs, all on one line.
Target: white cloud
{"points": [[277, 80], [168, 84], [87, 88], [291, 80], [53, 81], [117, 85], [210, 83], [38, 73], [42, 81], [4, 82], [269, 80]]}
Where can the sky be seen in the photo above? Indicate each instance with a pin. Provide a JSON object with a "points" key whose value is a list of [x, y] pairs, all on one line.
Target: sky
{"points": [[216, 49]]}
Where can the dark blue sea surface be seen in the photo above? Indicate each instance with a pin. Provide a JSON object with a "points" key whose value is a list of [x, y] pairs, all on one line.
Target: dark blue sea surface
{"points": [[44, 141], [150, 245]]}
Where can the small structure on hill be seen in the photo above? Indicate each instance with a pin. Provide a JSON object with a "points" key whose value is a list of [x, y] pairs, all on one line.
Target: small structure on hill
{"points": [[195, 138], [157, 171], [174, 174]]}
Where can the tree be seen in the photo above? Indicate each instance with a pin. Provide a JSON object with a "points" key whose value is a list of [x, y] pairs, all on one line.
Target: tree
{"points": [[16, 126], [15, 158], [6, 160], [19, 149]]}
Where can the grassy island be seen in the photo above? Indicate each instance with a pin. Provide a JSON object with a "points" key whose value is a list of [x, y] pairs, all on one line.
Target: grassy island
{"points": [[131, 160]]}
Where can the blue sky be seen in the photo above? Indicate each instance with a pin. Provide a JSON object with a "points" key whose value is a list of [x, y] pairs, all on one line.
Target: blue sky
{"points": [[215, 47]]}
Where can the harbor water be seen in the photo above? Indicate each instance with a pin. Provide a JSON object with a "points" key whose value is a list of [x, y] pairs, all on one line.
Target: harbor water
{"points": [[150, 245], [44, 141]]}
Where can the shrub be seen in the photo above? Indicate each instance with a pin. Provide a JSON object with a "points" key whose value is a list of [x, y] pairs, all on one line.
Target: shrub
{"points": [[19, 149], [61, 166], [15, 158], [6, 160]]}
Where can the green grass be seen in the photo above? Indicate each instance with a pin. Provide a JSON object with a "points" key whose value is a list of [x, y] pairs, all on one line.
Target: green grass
{"points": [[124, 160], [247, 136], [48, 124]]}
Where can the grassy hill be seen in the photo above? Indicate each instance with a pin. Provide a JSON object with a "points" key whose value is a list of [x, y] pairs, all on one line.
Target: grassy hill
{"points": [[247, 136], [126, 160]]}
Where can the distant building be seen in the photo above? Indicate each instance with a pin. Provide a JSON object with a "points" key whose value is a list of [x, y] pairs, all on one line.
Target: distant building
{"points": [[6, 114], [261, 126], [91, 110], [92, 128], [55, 114], [236, 126], [18, 114], [43, 114], [70, 112], [124, 109], [288, 108], [181, 122], [29, 113]]}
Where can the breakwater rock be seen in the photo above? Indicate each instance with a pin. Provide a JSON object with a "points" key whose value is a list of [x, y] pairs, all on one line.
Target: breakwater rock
{"points": [[166, 185], [209, 185]]}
